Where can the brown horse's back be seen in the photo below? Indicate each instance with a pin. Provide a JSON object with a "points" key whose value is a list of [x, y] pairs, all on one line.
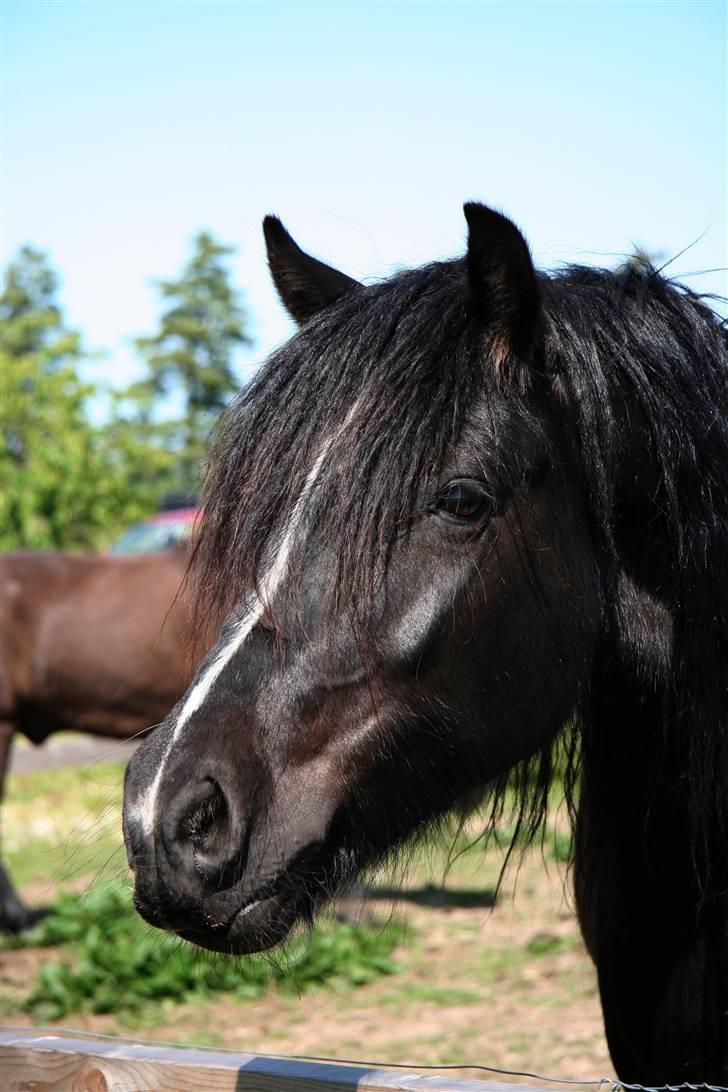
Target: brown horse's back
{"points": [[97, 644]]}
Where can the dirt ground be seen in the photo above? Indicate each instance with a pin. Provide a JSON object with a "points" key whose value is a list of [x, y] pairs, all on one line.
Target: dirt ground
{"points": [[508, 986]]}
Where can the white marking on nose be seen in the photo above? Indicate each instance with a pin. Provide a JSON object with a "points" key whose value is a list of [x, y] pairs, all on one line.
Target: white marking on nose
{"points": [[256, 606]]}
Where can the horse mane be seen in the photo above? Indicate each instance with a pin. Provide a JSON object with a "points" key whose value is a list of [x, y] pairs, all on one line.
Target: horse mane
{"points": [[402, 363], [660, 341]]}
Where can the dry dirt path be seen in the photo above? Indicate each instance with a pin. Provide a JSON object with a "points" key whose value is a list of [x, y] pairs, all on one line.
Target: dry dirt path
{"points": [[68, 749]]}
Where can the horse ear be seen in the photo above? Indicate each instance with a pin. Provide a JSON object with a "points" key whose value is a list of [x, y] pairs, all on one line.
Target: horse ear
{"points": [[304, 284], [503, 286]]}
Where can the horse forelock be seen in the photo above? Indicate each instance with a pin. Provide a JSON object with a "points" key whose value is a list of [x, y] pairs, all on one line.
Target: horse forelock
{"points": [[388, 385]]}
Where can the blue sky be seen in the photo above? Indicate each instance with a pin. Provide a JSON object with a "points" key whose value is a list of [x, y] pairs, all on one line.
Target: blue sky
{"points": [[128, 126]]}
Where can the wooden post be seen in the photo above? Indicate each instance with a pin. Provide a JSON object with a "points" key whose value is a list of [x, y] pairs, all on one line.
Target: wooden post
{"points": [[32, 1060]]}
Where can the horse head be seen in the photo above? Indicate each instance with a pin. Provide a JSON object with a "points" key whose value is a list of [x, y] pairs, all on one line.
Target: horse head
{"points": [[396, 505]]}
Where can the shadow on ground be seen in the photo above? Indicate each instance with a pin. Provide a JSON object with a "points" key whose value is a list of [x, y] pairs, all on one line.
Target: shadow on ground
{"points": [[429, 895]]}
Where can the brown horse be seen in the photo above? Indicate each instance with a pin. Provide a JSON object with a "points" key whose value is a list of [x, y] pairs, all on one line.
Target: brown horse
{"points": [[91, 643]]}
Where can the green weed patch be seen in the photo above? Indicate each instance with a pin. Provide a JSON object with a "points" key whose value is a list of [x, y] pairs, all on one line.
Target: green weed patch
{"points": [[119, 964]]}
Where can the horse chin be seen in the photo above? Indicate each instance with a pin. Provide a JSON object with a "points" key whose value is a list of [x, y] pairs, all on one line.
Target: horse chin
{"points": [[256, 927]]}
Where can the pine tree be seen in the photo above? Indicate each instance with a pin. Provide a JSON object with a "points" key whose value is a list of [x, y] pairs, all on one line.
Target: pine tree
{"points": [[31, 318], [64, 482], [191, 357]]}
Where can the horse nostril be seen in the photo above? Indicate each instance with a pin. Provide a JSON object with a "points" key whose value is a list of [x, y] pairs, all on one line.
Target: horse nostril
{"points": [[207, 814], [203, 833], [196, 822]]}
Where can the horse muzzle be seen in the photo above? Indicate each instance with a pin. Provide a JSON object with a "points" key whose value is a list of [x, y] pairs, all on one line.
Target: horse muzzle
{"points": [[217, 858]]}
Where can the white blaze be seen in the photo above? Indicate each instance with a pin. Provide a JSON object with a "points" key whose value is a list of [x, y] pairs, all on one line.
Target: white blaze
{"points": [[256, 605]]}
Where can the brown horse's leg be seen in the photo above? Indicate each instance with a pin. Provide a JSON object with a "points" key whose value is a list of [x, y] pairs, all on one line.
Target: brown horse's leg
{"points": [[662, 960], [14, 914]]}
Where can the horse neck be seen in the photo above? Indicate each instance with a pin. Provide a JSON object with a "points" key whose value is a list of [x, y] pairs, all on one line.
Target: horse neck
{"points": [[652, 378], [660, 947], [666, 650]]}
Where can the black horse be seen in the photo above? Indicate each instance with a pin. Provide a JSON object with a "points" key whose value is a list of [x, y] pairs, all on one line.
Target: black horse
{"points": [[461, 510]]}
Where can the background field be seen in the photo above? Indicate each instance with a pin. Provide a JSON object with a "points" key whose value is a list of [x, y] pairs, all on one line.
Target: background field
{"points": [[507, 985]]}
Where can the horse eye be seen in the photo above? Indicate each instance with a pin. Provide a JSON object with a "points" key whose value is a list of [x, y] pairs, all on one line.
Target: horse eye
{"points": [[463, 500]]}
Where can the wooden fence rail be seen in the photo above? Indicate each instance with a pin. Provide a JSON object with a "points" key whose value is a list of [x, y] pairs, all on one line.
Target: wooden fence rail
{"points": [[32, 1060]]}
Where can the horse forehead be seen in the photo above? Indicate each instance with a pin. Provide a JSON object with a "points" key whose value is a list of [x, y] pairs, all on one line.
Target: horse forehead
{"points": [[275, 572]]}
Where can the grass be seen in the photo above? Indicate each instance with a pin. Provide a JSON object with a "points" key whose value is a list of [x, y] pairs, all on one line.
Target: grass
{"points": [[111, 961], [470, 982], [548, 944], [117, 964], [61, 826]]}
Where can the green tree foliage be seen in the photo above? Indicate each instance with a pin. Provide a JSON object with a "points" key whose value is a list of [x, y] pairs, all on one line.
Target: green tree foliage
{"points": [[64, 482], [29, 313], [67, 483], [191, 357]]}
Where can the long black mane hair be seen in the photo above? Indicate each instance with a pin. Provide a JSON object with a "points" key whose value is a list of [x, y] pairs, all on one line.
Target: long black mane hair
{"points": [[408, 355]]}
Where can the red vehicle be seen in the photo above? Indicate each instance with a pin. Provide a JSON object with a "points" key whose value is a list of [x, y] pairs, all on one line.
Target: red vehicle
{"points": [[171, 525]]}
